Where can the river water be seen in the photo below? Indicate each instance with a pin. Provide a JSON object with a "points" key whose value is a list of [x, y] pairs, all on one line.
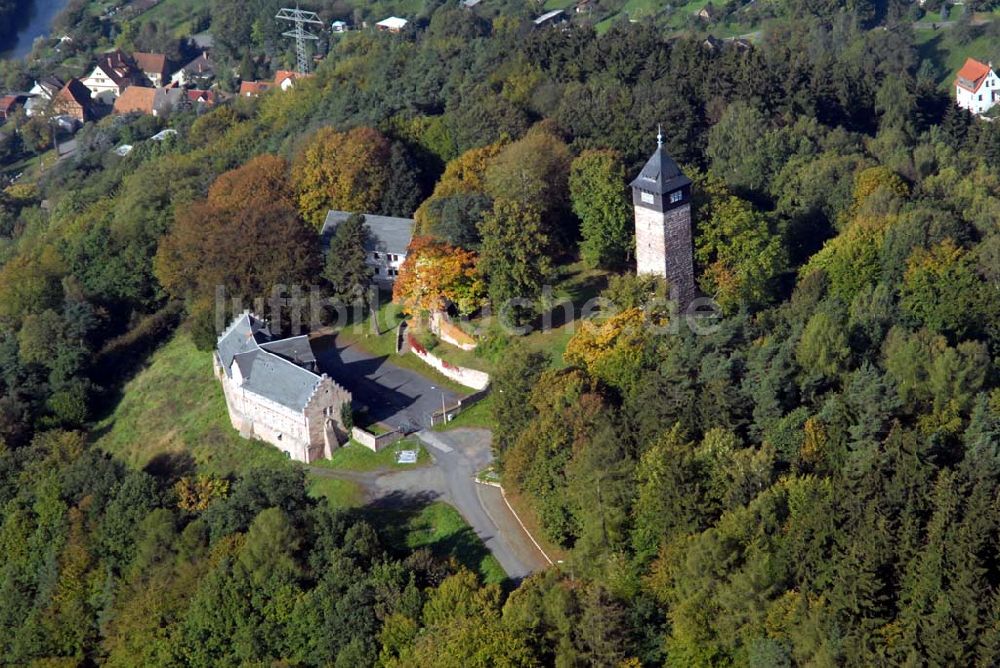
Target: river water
{"points": [[42, 14]]}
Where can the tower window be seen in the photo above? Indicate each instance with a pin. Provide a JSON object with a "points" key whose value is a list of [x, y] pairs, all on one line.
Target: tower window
{"points": [[647, 197], [676, 197]]}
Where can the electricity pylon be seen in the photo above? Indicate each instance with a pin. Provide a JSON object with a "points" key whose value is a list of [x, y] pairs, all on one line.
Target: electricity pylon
{"points": [[299, 19]]}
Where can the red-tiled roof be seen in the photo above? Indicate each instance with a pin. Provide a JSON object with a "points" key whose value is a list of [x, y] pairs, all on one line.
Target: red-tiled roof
{"points": [[972, 75], [7, 103], [135, 98], [206, 96], [281, 75], [73, 93], [254, 88], [151, 63]]}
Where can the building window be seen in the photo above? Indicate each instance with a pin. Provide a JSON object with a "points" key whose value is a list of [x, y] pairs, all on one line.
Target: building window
{"points": [[375, 255], [980, 97], [646, 197], [676, 197]]}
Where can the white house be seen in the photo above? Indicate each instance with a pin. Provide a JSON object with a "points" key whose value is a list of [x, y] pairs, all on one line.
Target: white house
{"points": [[112, 74], [385, 247], [339, 27], [41, 95], [977, 87]]}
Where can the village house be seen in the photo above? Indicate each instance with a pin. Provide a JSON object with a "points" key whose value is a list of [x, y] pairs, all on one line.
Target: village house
{"points": [[386, 246], [254, 88], [112, 74], [285, 79], [198, 72], [162, 101], [41, 94], [339, 27], [74, 101], [153, 65], [392, 24], [273, 392], [977, 87]]}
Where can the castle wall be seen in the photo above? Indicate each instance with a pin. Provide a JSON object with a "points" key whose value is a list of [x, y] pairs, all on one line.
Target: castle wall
{"points": [[322, 415]]}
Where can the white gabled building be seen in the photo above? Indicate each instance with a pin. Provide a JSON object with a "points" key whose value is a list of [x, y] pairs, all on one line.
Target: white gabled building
{"points": [[977, 87], [112, 74], [386, 245]]}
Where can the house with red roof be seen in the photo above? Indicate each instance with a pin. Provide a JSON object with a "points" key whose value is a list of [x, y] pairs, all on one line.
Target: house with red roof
{"points": [[977, 87], [254, 88]]}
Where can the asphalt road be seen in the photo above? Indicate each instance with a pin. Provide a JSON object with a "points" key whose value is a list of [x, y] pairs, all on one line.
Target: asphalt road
{"points": [[398, 397], [458, 455]]}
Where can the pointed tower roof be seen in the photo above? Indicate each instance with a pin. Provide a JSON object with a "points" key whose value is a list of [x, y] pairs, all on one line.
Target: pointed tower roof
{"points": [[661, 174]]}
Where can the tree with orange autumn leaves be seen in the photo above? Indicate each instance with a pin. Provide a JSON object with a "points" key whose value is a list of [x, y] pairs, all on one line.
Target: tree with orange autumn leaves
{"points": [[437, 275]]}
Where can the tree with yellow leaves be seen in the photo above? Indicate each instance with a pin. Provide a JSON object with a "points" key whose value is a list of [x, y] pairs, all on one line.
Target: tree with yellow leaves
{"points": [[348, 171]]}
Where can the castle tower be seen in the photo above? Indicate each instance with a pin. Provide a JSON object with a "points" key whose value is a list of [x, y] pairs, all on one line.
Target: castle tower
{"points": [[661, 195]]}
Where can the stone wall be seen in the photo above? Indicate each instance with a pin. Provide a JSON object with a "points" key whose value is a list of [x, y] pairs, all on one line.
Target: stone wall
{"points": [[449, 332], [375, 442], [473, 378]]}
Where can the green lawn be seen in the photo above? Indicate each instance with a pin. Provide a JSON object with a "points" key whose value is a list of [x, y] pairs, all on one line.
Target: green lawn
{"points": [[339, 493], [174, 15], [174, 407], [356, 457], [943, 51], [478, 415]]}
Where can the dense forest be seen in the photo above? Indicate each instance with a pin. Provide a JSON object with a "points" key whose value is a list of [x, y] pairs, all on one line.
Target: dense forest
{"points": [[814, 482]]}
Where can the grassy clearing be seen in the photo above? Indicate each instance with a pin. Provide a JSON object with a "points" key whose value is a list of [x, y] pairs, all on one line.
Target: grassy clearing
{"points": [[441, 529], [947, 55], [478, 415], [174, 408], [356, 457], [338, 493]]}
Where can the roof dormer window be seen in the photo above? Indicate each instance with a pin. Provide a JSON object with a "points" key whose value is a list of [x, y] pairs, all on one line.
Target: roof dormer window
{"points": [[676, 196]]}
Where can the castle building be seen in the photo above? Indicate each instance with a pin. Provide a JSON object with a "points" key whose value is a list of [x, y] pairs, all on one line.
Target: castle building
{"points": [[274, 393], [661, 196]]}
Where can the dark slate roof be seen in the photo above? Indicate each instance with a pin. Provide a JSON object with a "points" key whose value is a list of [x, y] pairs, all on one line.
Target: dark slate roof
{"points": [[388, 234], [269, 368], [661, 174], [295, 349], [245, 334], [277, 379]]}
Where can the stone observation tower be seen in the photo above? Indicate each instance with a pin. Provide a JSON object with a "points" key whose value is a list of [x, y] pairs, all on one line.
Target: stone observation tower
{"points": [[661, 195]]}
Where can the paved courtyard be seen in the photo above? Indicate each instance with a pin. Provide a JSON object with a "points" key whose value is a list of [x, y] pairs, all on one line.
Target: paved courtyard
{"points": [[398, 397]]}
